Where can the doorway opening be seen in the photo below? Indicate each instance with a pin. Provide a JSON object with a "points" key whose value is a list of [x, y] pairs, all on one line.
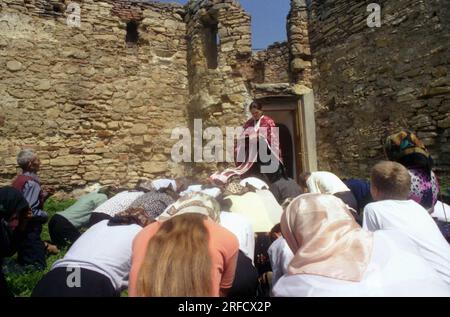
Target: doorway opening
{"points": [[285, 111]]}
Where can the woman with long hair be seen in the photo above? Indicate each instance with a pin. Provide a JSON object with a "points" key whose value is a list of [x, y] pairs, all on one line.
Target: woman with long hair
{"points": [[102, 255], [185, 253], [180, 245]]}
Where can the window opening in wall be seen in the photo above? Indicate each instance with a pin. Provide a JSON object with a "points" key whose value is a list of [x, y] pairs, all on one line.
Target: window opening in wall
{"points": [[259, 72], [132, 36], [212, 42], [57, 8]]}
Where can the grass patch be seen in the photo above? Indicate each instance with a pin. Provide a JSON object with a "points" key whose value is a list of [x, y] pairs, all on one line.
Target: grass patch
{"points": [[22, 284]]}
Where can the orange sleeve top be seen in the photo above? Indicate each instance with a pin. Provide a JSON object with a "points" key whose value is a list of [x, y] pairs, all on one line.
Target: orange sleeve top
{"points": [[223, 248]]}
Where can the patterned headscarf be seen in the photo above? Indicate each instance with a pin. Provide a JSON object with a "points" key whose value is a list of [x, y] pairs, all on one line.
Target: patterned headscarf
{"points": [[235, 188], [154, 203], [406, 148], [144, 210], [402, 144], [130, 216], [196, 202]]}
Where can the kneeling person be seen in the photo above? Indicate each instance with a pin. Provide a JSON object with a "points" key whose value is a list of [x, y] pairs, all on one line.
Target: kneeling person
{"points": [[64, 226]]}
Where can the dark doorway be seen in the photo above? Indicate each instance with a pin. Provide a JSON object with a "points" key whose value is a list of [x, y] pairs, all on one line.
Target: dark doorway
{"points": [[287, 151], [284, 111]]}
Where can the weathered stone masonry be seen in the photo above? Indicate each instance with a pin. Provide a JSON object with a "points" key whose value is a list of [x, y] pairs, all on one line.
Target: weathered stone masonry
{"points": [[372, 81], [94, 107], [99, 102], [219, 46]]}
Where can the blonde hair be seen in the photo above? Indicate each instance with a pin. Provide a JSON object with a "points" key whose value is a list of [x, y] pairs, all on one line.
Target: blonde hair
{"points": [[391, 179], [177, 262]]}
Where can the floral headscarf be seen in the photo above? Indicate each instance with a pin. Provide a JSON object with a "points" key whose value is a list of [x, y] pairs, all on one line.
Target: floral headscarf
{"points": [[154, 203], [144, 210], [195, 202]]}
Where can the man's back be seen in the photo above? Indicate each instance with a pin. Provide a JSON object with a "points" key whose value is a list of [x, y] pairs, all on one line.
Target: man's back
{"points": [[285, 188], [413, 220], [78, 214]]}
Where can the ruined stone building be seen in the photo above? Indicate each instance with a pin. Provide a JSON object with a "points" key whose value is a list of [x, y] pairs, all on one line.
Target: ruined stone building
{"points": [[99, 102]]}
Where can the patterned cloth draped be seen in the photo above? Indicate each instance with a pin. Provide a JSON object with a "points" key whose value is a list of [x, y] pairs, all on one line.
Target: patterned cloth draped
{"points": [[424, 188], [235, 188], [258, 133], [130, 216], [154, 203], [144, 210]]}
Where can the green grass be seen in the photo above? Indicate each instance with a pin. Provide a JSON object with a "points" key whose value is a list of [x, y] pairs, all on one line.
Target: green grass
{"points": [[22, 284]]}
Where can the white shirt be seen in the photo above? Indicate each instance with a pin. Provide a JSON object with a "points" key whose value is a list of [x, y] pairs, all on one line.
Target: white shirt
{"points": [[164, 183], [118, 203], [280, 254], [255, 182], [258, 123], [325, 183], [242, 229], [441, 211], [396, 268], [213, 191], [105, 250], [413, 220]]}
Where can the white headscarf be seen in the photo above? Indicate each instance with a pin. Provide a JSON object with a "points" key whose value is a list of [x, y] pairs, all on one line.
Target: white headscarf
{"points": [[197, 203], [255, 182]]}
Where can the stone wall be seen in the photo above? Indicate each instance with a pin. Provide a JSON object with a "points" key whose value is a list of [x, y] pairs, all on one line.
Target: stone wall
{"points": [[99, 108], [272, 64], [219, 64], [299, 45], [99, 102], [95, 108], [372, 81]]}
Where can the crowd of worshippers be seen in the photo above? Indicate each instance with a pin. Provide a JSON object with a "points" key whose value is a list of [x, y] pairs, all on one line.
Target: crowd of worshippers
{"points": [[322, 236]]}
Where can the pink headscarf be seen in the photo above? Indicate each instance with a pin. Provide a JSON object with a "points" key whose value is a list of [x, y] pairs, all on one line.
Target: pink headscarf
{"points": [[325, 238]]}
